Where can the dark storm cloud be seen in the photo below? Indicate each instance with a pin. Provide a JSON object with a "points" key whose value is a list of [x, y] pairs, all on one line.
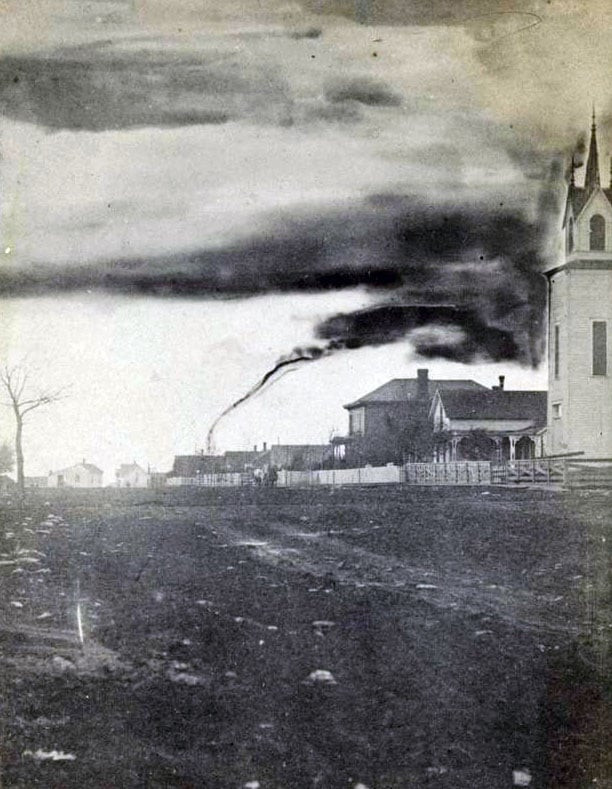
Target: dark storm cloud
{"points": [[475, 270], [457, 333], [422, 12], [100, 87], [364, 91], [95, 88]]}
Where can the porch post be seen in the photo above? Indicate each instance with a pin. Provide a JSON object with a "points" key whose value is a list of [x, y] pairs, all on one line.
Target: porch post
{"points": [[498, 448], [513, 440], [455, 443]]}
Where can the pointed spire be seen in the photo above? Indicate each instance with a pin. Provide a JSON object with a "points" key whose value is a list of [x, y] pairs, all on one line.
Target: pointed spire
{"points": [[591, 180]]}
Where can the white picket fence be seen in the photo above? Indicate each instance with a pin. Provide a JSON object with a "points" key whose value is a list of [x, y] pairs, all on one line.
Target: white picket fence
{"points": [[368, 475]]}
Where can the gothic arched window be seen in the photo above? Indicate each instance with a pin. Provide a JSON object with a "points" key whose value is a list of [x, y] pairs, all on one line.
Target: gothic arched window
{"points": [[597, 235], [570, 236]]}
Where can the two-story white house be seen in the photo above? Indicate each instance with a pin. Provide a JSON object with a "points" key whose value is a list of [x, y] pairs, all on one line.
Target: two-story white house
{"points": [[131, 475], [580, 318]]}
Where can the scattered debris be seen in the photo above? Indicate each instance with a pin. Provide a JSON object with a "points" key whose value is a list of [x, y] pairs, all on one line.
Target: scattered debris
{"points": [[432, 771], [521, 777], [321, 676], [252, 785], [61, 664], [16, 604], [54, 756], [184, 678], [44, 615], [426, 586], [483, 633]]}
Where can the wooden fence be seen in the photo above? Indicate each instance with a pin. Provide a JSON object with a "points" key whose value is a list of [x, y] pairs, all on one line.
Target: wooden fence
{"points": [[545, 470], [570, 472], [367, 475], [458, 472]]}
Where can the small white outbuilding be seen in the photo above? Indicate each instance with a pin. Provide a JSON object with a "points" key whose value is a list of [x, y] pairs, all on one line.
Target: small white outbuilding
{"points": [[81, 475]]}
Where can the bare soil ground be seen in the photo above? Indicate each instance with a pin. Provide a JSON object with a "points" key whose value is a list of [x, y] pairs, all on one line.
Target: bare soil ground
{"points": [[458, 635]]}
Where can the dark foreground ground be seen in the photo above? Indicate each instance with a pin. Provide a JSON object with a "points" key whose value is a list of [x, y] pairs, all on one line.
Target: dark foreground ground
{"points": [[463, 630]]}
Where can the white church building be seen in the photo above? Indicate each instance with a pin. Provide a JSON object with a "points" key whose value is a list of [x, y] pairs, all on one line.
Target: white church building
{"points": [[580, 321]]}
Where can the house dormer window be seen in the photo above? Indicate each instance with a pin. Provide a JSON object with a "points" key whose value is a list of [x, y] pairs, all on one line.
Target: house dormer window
{"points": [[597, 233]]}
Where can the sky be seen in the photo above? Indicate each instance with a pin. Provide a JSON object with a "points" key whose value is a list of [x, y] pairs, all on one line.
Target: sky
{"points": [[192, 191]]}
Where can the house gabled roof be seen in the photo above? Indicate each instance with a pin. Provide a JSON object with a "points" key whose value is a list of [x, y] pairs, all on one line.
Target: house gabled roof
{"points": [[496, 404], [87, 466], [126, 468], [402, 389]]}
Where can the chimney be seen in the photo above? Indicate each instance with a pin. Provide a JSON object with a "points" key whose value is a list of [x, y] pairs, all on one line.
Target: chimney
{"points": [[423, 384], [502, 378], [265, 446], [254, 447]]}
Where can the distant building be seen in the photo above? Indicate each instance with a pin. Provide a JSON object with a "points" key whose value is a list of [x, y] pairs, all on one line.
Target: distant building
{"points": [[157, 479], [391, 424], [194, 465], [493, 424], [81, 475], [239, 461], [131, 475], [36, 482], [299, 456], [579, 321], [7, 484]]}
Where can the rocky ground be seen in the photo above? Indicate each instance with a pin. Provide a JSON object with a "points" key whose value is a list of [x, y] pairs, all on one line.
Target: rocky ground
{"points": [[375, 638]]}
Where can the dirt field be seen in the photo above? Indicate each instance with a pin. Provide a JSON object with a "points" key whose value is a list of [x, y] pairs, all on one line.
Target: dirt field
{"points": [[395, 637]]}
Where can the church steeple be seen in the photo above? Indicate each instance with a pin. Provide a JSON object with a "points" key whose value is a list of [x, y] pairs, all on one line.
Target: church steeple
{"points": [[591, 180]]}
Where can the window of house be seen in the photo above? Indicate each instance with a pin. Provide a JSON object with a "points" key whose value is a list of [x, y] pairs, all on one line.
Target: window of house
{"points": [[556, 351], [570, 236], [556, 410], [597, 235], [600, 348], [77, 478], [357, 422]]}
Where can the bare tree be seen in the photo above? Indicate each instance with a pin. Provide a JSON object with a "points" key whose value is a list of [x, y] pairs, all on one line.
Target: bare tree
{"points": [[23, 398]]}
